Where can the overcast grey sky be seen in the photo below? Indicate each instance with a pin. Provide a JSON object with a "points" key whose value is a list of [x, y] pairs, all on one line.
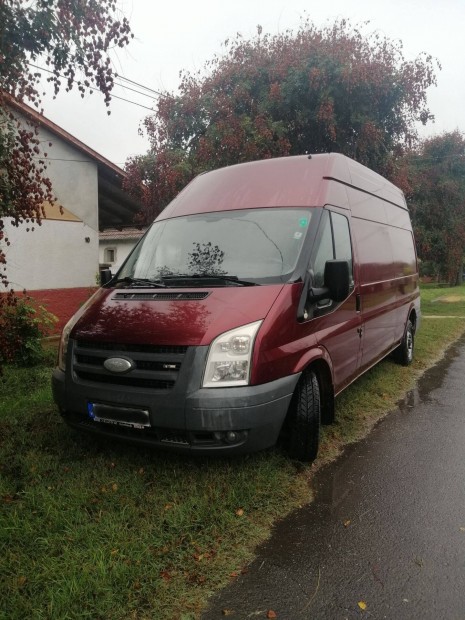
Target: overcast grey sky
{"points": [[177, 35]]}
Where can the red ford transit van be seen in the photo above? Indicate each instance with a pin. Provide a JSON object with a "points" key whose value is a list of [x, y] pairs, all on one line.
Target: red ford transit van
{"points": [[259, 294]]}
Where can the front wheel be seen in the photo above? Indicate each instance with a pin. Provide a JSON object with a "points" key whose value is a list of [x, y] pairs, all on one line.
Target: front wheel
{"points": [[301, 430], [404, 352]]}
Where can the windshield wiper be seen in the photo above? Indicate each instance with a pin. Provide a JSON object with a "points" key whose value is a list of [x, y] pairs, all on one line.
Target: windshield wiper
{"points": [[140, 282], [209, 277]]}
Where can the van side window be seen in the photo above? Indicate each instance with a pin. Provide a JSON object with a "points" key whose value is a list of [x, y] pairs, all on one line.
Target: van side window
{"points": [[333, 242], [342, 245], [325, 252]]}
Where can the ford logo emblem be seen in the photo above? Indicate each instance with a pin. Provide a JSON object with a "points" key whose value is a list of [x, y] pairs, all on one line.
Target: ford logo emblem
{"points": [[118, 365]]}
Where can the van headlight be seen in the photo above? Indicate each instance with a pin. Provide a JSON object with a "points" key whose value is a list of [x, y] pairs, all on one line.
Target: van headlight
{"points": [[65, 334], [62, 351], [230, 356]]}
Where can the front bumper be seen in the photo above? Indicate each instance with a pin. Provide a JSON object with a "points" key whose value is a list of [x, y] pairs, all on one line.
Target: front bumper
{"points": [[205, 420]]}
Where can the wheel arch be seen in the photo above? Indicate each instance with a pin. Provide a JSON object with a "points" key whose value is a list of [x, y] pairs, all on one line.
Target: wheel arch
{"points": [[319, 361], [412, 316], [325, 381]]}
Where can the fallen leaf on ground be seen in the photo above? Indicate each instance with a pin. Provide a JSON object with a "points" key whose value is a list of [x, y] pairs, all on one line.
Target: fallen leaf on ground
{"points": [[239, 512], [347, 523], [362, 605], [271, 614]]}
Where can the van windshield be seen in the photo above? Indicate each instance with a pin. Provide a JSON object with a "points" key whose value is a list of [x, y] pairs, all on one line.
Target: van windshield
{"points": [[256, 245]]}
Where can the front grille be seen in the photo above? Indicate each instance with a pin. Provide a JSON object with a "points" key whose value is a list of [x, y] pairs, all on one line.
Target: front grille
{"points": [[153, 384], [155, 367]]}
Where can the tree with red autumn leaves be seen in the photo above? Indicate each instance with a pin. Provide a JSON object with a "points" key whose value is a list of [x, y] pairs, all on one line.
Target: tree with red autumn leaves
{"points": [[436, 171], [314, 90], [72, 39]]}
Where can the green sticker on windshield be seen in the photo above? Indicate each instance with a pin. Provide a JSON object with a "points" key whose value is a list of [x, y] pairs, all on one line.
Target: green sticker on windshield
{"points": [[303, 222]]}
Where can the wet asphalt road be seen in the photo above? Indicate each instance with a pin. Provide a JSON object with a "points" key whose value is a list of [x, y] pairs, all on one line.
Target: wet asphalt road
{"points": [[387, 527]]}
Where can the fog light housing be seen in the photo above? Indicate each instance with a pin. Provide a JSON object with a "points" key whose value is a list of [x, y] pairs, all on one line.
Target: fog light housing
{"points": [[230, 437]]}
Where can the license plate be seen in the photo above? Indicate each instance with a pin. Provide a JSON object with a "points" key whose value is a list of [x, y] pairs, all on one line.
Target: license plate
{"points": [[119, 416]]}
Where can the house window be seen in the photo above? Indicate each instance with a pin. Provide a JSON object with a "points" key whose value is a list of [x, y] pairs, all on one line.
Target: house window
{"points": [[110, 255]]}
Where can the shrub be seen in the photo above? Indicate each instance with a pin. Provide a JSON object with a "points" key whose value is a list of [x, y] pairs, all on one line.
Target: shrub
{"points": [[22, 327]]}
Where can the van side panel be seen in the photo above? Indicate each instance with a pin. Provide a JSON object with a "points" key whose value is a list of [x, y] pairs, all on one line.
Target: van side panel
{"points": [[405, 274], [373, 183], [377, 289], [367, 207], [397, 217]]}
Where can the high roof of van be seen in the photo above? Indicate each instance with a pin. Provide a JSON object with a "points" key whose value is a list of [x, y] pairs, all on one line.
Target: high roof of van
{"points": [[298, 181]]}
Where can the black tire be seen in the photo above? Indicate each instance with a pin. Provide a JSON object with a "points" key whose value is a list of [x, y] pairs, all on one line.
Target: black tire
{"points": [[301, 431], [404, 352]]}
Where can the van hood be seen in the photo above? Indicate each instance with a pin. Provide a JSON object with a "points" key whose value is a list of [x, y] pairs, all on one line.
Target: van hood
{"points": [[181, 316]]}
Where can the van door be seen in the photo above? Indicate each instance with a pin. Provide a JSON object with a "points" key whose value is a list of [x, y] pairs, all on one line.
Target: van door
{"points": [[337, 326], [377, 289]]}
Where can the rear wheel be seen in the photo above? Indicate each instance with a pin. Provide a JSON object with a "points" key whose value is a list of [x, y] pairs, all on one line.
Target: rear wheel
{"points": [[301, 431], [404, 352]]}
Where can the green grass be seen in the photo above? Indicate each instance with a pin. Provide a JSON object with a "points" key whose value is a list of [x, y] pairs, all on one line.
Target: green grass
{"points": [[443, 301], [93, 530]]}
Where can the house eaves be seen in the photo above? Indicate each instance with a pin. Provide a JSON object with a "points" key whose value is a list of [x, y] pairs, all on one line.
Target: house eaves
{"points": [[124, 234], [116, 207]]}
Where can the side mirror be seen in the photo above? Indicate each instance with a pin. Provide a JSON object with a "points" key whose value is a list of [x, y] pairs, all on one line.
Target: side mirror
{"points": [[105, 276], [337, 279], [336, 282]]}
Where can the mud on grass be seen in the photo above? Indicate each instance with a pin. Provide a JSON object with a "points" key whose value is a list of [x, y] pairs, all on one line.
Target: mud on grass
{"points": [[443, 301]]}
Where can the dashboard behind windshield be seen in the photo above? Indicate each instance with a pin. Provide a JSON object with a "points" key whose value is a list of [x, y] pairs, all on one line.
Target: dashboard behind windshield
{"points": [[259, 245]]}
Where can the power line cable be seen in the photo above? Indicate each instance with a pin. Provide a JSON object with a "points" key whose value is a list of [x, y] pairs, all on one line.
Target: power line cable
{"points": [[134, 90], [133, 102], [121, 77], [116, 84]]}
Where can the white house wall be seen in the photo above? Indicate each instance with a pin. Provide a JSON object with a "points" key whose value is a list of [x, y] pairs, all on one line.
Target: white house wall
{"points": [[74, 177], [54, 255], [59, 254]]}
